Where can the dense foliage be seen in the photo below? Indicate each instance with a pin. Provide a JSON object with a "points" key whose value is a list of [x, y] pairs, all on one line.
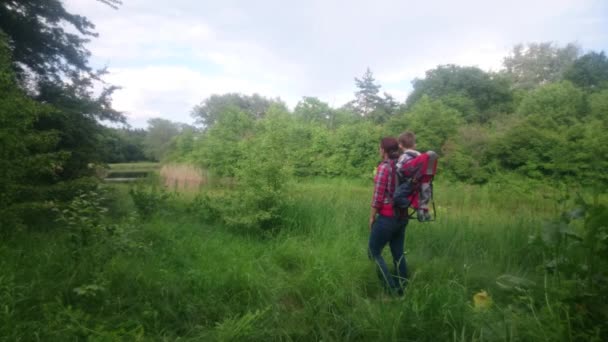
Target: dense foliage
{"points": [[27, 157], [546, 126], [52, 104], [123, 145]]}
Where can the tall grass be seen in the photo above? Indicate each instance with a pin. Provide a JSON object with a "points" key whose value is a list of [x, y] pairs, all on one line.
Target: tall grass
{"points": [[189, 179], [183, 177], [183, 279]]}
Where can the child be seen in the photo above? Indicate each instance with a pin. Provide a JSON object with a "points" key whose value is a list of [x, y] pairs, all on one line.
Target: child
{"points": [[407, 144]]}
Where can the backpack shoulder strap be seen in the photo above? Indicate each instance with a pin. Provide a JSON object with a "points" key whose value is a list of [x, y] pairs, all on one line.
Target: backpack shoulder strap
{"points": [[412, 153], [392, 174]]}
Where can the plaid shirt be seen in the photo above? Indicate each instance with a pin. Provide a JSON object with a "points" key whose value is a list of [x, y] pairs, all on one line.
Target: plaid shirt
{"points": [[385, 183]]}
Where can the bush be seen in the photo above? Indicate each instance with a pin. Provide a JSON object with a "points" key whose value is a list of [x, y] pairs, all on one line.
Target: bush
{"points": [[575, 251], [554, 105], [260, 195], [432, 121], [465, 155], [83, 218], [33, 206], [148, 202], [203, 208]]}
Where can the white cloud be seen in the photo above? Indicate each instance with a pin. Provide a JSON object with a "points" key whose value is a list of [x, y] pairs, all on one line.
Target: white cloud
{"points": [[172, 91], [168, 56]]}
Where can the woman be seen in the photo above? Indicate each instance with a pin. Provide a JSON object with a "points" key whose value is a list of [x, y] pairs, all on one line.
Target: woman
{"points": [[387, 225]]}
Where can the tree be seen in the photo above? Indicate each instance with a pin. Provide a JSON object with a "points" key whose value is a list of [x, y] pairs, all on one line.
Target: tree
{"points": [[368, 104], [28, 158], [590, 71], [77, 113], [470, 90], [46, 39], [554, 136], [51, 63], [539, 63], [49, 55], [123, 145], [221, 146], [554, 105], [112, 3], [367, 99], [311, 109], [352, 149], [262, 174], [344, 115], [465, 154], [159, 136], [595, 142], [591, 159], [207, 113], [432, 121], [598, 103], [184, 143], [526, 149], [389, 104]]}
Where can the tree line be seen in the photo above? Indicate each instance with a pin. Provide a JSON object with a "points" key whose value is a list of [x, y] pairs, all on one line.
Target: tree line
{"points": [[542, 116]]}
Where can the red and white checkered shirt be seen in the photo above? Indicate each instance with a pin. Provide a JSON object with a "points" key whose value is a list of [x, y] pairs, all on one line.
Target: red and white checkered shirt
{"points": [[385, 183]]}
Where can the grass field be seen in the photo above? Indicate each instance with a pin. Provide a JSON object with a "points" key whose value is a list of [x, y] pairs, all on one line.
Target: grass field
{"points": [[175, 277]]}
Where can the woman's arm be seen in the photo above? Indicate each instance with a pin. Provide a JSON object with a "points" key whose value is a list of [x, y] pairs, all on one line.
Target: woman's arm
{"points": [[379, 191], [372, 217]]}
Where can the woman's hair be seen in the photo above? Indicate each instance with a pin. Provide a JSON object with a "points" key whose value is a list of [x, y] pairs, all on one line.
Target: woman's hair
{"points": [[390, 146]]}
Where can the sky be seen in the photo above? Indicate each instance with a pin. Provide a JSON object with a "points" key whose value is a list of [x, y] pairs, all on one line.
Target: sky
{"points": [[168, 56]]}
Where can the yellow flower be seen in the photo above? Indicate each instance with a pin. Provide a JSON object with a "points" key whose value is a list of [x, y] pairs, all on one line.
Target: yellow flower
{"points": [[482, 300]]}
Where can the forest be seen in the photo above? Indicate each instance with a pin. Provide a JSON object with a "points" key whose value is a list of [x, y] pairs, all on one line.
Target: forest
{"points": [[268, 241]]}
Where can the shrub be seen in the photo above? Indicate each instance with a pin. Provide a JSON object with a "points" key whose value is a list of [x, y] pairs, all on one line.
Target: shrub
{"points": [[203, 208], [83, 218], [260, 195], [148, 202], [575, 251], [554, 105]]}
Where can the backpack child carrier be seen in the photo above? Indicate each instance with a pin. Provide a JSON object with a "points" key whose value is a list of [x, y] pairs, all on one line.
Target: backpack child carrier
{"points": [[415, 189]]}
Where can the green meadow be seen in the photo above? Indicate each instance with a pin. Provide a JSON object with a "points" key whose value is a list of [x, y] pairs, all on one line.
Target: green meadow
{"points": [[180, 275]]}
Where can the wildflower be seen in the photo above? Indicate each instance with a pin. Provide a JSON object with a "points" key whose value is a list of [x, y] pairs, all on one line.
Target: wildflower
{"points": [[482, 300]]}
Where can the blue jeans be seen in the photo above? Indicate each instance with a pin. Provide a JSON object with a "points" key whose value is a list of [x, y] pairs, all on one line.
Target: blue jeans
{"points": [[389, 230]]}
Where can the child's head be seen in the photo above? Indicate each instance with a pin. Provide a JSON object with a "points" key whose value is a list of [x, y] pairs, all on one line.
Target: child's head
{"points": [[407, 140]]}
